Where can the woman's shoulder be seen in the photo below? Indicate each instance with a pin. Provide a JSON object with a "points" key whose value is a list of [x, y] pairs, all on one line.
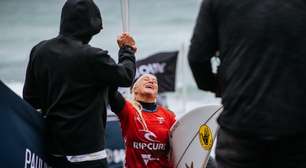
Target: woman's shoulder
{"points": [[130, 105], [167, 111]]}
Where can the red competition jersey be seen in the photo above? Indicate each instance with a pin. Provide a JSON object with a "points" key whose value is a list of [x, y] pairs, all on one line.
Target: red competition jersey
{"points": [[146, 148]]}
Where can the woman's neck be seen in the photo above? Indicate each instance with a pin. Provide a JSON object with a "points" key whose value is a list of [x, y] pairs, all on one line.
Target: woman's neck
{"points": [[148, 107]]}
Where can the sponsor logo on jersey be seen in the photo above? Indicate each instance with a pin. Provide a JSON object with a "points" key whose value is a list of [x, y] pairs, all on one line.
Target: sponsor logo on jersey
{"points": [[147, 157], [150, 146], [150, 136], [153, 144], [161, 120]]}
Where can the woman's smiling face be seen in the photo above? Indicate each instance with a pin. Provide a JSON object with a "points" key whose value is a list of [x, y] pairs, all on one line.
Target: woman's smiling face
{"points": [[146, 88]]}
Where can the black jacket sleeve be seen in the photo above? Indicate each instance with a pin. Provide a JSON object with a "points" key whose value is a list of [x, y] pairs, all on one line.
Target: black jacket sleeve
{"points": [[204, 45], [106, 71], [116, 100], [30, 88]]}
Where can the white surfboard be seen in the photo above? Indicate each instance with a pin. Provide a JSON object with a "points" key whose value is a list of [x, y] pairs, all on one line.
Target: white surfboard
{"points": [[193, 135]]}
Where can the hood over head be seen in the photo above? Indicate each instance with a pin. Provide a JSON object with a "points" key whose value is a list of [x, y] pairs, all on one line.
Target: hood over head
{"points": [[80, 19]]}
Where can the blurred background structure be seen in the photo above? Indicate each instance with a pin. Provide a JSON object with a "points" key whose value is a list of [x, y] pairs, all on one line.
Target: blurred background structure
{"points": [[157, 25]]}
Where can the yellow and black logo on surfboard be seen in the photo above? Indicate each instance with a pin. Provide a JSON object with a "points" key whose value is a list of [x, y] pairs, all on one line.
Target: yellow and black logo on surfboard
{"points": [[205, 137]]}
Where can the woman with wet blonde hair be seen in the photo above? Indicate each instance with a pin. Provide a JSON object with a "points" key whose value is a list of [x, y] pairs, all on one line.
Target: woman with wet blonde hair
{"points": [[145, 125]]}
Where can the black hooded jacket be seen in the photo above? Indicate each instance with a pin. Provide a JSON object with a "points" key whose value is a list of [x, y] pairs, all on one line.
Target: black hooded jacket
{"points": [[68, 80], [263, 59]]}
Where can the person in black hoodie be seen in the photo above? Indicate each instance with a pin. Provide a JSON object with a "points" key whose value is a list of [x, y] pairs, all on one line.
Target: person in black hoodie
{"points": [[68, 80], [261, 78]]}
